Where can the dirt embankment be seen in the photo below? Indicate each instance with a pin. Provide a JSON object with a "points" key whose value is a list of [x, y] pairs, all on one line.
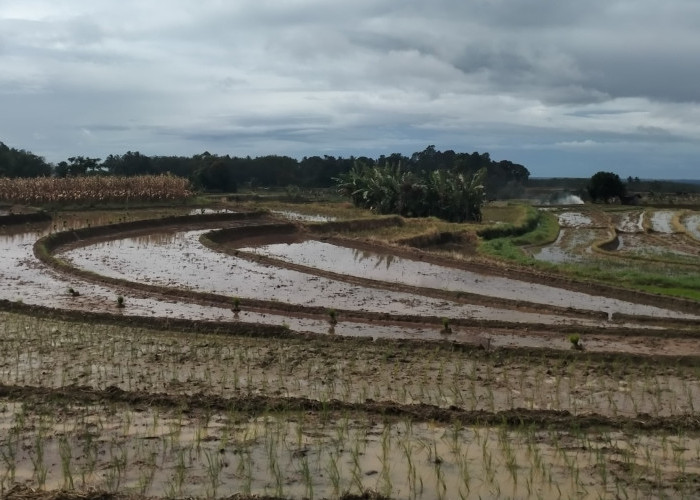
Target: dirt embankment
{"points": [[256, 330], [29, 218], [258, 404]]}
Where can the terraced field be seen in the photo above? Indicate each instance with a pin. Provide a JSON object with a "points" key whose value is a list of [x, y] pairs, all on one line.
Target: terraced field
{"points": [[345, 367]]}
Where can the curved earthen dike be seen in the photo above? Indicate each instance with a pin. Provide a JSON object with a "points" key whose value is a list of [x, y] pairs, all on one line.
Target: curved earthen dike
{"points": [[507, 270], [224, 239], [256, 330], [258, 225], [258, 405]]}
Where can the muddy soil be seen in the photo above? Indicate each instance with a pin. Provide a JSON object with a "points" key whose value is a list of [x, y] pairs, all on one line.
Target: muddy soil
{"points": [[628, 222], [40, 352]]}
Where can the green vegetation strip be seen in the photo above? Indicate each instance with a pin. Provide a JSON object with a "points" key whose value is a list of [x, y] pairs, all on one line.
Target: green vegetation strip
{"points": [[528, 223], [654, 285]]}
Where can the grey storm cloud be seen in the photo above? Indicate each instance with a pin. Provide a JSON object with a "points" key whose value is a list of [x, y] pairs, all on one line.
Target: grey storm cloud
{"points": [[590, 85]]}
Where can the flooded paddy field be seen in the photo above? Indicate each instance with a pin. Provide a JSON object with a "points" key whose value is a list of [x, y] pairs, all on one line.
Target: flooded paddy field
{"points": [[660, 221], [158, 414], [639, 233], [378, 404], [692, 224], [386, 267], [180, 260]]}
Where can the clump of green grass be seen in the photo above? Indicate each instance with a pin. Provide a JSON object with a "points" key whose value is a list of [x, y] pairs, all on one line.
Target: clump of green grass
{"points": [[333, 317], [446, 326], [575, 340]]}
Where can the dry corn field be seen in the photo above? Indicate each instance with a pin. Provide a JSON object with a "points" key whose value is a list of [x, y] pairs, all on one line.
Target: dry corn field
{"points": [[101, 189]]}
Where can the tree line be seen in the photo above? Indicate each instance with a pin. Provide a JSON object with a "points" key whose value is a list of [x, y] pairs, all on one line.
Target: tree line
{"points": [[229, 173]]}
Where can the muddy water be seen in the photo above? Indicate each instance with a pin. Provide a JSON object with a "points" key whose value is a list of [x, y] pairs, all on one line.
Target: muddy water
{"points": [[202, 211], [661, 221], [658, 246], [59, 355], [25, 279], [574, 219], [692, 224], [555, 252], [629, 222], [304, 456], [183, 262], [572, 245], [388, 268]]}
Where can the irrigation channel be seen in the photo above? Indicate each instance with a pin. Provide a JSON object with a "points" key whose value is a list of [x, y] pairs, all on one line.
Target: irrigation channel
{"points": [[439, 378]]}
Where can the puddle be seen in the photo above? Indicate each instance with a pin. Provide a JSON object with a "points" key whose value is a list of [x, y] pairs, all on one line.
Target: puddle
{"points": [[177, 259], [203, 211], [571, 245], [661, 245], [661, 221], [692, 224], [574, 219], [555, 253], [27, 280]]}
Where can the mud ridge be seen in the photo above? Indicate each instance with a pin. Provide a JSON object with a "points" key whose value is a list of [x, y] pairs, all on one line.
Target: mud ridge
{"points": [[255, 405], [30, 218], [256, 330], [23, 492]]}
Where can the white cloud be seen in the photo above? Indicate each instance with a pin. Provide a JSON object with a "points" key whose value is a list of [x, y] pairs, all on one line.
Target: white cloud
{"points": [[365, 77]]}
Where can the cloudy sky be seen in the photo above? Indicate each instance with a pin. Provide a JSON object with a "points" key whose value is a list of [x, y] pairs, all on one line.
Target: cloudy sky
{"points": [[565, 87]]}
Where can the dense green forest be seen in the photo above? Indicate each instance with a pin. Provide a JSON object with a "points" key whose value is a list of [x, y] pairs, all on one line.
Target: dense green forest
{"points": [[229, 173]]}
